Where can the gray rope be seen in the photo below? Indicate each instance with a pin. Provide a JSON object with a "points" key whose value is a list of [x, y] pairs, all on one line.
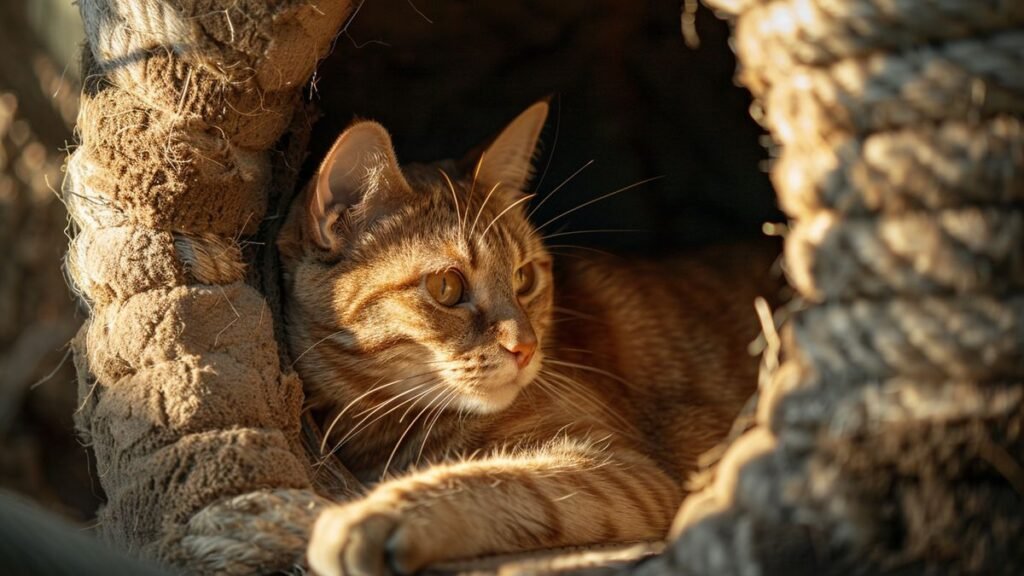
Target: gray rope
{"points": [[888, 439]]}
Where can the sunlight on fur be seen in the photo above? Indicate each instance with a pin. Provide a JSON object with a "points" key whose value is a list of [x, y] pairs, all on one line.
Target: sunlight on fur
{"points": [[499, 398]]}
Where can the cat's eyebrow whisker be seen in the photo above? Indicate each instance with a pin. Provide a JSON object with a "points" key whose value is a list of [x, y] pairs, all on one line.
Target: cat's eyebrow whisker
{"points": [[505, 211], [578, 247], [590, 231], [455, 197], [472, 188], [554, 146], [481, 210], [555, 249], [557, 188], [598, 199]]}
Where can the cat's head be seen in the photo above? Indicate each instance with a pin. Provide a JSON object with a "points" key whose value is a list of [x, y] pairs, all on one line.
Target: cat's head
{"points": [[417, 280]]}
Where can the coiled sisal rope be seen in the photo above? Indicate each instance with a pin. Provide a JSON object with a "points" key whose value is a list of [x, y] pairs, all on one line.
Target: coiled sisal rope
{"points": [[890, 438], [194, 428]]}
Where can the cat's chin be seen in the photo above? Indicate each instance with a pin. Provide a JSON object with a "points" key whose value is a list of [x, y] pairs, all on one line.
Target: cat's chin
{"points": [[494, 399]]}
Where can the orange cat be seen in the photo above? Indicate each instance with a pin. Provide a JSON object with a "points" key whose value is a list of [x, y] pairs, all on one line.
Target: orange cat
{"points": [[517, 402]]}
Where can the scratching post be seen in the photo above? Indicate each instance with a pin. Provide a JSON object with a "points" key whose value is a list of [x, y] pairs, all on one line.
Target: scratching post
{"points": [[194, 427], [890, 437]]}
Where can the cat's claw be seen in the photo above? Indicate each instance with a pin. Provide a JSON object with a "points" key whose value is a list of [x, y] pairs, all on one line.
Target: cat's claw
{"points": [[361, 539]]}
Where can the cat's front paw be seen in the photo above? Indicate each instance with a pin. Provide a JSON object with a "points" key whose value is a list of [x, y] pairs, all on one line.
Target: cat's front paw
{"points": [[364, 538]]}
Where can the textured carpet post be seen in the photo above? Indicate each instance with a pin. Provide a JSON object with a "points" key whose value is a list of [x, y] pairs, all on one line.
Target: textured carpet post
{"points": [[890, 437], [194, 427]]}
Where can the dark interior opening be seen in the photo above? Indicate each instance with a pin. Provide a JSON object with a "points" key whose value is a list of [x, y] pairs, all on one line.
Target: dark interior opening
{"points": [[627, 93]]}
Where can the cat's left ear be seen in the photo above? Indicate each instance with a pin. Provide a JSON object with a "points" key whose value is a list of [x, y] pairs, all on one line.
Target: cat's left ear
{"points": [[358, 182], [509, 159]]}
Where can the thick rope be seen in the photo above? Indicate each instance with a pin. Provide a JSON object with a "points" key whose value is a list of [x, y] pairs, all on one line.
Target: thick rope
{"points": [[960, 80], [890, 439], [948, 165], [194, 426], [775, 36]]}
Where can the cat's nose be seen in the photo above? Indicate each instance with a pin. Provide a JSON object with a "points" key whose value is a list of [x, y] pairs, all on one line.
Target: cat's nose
{"points": [[523, 350]]}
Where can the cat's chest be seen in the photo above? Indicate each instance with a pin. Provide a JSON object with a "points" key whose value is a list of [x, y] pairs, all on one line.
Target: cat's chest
{"points": [[401, 445]]}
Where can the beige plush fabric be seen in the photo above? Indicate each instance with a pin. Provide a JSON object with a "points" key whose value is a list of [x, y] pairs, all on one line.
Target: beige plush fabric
{"points": [[194, 426]]}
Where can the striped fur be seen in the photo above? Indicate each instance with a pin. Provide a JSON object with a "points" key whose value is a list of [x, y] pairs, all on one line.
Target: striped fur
{"points": [[642, 366]]}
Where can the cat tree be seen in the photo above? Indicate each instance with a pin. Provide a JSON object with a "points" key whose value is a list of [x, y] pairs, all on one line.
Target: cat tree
{"points": [[888, 435]]}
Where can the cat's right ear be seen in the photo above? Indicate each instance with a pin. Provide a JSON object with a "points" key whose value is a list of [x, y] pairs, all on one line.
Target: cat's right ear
{"points": [[358, 182], [508, 160]]}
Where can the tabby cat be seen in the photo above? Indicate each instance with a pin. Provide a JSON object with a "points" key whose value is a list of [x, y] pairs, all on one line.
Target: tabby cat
{"points": [[502, 400]]}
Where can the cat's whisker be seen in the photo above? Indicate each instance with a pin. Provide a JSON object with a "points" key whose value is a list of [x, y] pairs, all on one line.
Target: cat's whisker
{"points": [[603, 415], [373, 410], [400, 380], [579, 387], [438, 412], [314, 345], [481, 210], [401, 438], [432, 417], [604, 373], [505, 211], [334, 421], [557, 188], [363, 424], [569, 349], [373, 389], [581, 391], [455, 197], [598, 199], [357, 431], [559, 394], [575, 313], [409, 409]]}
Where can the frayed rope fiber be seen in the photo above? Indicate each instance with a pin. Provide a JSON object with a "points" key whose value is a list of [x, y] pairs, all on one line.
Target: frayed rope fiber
{"points": [[194, 426], [890, 437]]}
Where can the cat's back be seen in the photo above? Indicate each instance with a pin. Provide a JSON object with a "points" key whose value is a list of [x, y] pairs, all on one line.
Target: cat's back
{"points": [[675, 332], [655, 303]]}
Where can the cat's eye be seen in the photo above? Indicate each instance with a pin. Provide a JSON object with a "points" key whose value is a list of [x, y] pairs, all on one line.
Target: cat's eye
{"points": [[447, 287], [526, 278]]}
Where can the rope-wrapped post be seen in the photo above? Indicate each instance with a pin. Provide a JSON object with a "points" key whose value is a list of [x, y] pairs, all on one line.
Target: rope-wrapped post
{"points": [[193, 424], [890, 437]]}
